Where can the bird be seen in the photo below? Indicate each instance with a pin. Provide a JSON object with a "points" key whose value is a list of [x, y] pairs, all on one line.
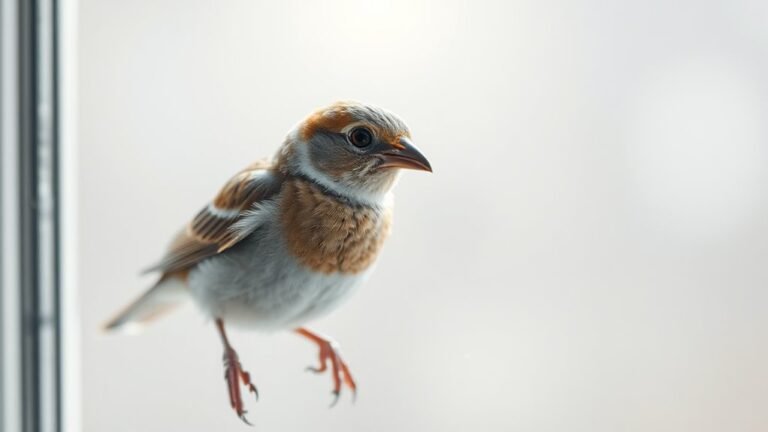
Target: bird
{"points": [[287, 239]]}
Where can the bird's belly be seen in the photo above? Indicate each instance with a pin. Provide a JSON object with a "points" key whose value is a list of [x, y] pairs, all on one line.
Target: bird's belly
{"points": [[258, 284]]}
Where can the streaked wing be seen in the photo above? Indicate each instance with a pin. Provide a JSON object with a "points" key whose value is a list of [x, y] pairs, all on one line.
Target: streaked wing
{"points": [[215, 228]]}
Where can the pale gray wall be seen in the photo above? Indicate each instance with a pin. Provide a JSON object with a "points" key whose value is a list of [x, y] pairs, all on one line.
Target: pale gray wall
{"points": [[589, 255]]}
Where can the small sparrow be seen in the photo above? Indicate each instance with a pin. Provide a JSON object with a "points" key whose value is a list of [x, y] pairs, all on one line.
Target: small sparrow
{"points": [[285, 241]]}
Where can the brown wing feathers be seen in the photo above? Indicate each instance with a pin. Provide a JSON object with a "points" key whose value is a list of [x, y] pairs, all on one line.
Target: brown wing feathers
{"points": [[211, 231]]}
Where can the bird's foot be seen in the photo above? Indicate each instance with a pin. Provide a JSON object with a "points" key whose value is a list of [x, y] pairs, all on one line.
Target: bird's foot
{"points": [[329, 353], [234, 374]]}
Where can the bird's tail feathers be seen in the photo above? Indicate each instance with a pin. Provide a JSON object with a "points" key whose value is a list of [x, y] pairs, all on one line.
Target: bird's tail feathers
{"points": [[165, 295]]}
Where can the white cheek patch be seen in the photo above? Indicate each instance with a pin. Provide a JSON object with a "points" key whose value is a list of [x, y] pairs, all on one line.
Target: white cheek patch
{"points": [[306, 168]]}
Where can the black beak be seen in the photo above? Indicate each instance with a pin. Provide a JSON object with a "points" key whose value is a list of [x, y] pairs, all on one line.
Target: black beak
{"points": [[406, 156]]}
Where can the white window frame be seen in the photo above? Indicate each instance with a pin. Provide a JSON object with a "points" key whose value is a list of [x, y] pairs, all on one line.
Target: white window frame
{"points": [[39, 357]]}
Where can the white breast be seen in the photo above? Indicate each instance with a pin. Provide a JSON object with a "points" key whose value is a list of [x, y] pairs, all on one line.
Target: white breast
{"points": [[258, 284]]}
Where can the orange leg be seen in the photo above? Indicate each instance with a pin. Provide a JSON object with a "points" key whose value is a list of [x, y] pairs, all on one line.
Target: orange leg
{"points": [[234, 373], [329, 352]]}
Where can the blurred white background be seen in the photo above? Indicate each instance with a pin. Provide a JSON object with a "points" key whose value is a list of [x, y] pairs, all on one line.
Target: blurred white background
{"points": [[590, 254]]}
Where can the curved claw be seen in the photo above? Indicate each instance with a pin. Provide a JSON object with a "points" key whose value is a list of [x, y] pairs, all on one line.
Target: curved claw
{"points": [[336, 395], [234, 375], [252, 388], [329, 354], [245, 420]]}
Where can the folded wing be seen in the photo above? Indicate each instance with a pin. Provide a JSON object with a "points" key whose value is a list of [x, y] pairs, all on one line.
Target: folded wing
{"points": [[220, 225]]}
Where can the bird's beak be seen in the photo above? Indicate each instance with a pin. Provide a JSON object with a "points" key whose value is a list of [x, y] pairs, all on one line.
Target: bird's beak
{"points": [[406, 155]]}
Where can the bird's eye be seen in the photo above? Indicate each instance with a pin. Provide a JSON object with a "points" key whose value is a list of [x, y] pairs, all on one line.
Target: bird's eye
{"points": [[360, 137]]}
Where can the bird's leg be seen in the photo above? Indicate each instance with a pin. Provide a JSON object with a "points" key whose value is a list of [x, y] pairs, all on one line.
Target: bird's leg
{"points": [[234, 373], [329, 352]]}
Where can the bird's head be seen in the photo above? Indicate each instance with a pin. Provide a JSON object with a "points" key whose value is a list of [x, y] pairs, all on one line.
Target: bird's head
{"points": [[352, 148]]}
